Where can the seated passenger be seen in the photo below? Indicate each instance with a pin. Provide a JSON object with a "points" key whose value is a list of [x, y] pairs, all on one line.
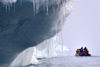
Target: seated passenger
{"points": [[81, 51], [86, 52], [77, 52]]}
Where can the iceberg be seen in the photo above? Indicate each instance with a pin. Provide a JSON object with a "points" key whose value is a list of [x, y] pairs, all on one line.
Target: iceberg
{"points": [[27, 23]]}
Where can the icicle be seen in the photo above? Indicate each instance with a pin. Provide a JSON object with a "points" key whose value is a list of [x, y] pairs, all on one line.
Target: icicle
{"points": [[34, 7], [14, 7], [62, 42], [48, 48], [37, 6], [21, 2], [7, 7], [47, 7]]}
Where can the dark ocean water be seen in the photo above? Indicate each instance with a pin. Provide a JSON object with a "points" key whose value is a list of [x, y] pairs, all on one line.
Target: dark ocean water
{"points": [[70, 61]]}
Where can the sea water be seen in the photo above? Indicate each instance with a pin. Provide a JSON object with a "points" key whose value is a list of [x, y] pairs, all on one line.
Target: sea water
{"points": [[70, 61]]}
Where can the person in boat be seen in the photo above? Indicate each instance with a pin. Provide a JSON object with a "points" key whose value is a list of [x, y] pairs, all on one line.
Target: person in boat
{"points": [[86, 51], [77, 52], [81, 51]]}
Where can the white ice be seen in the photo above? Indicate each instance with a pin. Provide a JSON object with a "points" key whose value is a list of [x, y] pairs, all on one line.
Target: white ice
{"points": [[46, 49]]}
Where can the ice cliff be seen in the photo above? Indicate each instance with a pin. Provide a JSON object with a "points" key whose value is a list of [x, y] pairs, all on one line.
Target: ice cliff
{"points": [[26, 23], [46, 49]]}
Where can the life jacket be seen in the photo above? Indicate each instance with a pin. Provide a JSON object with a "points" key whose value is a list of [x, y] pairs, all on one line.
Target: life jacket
{"points": [[81, 53]]}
